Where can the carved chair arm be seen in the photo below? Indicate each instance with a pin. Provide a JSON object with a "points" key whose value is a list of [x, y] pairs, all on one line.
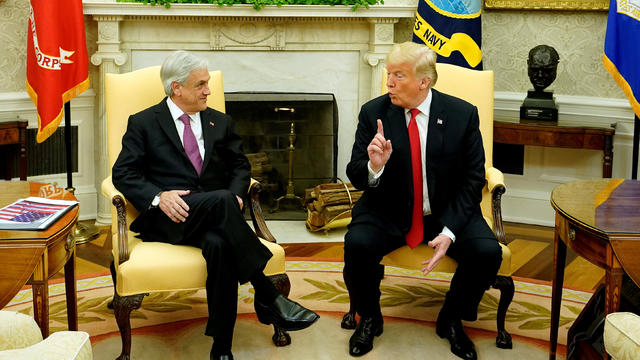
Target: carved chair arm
{"points": [[255, 210], [118, 200], [495, 183]]}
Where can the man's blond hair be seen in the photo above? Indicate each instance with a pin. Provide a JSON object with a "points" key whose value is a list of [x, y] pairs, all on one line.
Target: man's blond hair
{"points": [[421, 56]]}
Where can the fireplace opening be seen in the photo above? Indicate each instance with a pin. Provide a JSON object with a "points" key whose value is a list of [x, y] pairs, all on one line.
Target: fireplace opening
{"points": [[291, 142]]}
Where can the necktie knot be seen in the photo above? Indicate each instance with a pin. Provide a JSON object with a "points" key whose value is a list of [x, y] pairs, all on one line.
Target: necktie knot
{"points": [[414, 112], [186, 120]]}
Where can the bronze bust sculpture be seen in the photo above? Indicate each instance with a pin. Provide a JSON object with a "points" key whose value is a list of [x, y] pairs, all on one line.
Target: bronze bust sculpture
{"points": [[542, 66], [542, 69]]}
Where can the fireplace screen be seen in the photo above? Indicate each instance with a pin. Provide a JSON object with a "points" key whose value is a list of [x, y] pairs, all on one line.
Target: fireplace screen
{"points": [[291, 142]]}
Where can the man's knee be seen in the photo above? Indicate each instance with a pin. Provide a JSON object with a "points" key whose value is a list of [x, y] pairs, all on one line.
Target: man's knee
{"points": [[213, 246], [490, 253], [355, 242]]}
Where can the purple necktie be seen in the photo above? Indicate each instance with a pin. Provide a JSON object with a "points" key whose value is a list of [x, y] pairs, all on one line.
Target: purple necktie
{"points": [[190, 143]]}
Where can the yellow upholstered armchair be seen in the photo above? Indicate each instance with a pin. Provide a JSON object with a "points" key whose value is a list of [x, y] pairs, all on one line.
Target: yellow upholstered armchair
{"points": [[476, 87], [183, 267]]}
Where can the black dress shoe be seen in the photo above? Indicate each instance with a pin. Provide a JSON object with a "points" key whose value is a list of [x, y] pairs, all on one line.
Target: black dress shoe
{"points": [[286, 314], [452, 330], [361, 341]]}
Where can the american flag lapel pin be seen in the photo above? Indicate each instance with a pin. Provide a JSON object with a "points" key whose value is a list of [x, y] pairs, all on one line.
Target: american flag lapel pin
{"points": [[211, 123], [439, 121]]}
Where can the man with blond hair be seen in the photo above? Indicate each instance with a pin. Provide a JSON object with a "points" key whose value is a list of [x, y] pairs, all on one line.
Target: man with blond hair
{"points": [[419, 158]]}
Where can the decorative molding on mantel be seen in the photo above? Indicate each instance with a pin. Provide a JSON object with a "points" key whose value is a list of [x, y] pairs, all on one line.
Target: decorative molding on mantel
{"points": [[111, 7], [19, 101]]}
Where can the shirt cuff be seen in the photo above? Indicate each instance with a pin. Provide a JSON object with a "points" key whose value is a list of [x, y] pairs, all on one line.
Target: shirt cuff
{"points": [[449, 233], [374, 178]]}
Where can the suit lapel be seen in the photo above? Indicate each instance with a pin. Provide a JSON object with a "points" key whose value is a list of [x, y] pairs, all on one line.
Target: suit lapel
{"points": [[435, 138], [437, 123], [168, 126], [208, 129], [395, 129]]}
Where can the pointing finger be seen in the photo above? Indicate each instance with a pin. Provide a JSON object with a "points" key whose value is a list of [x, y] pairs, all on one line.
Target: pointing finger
{"points": [[380, 129]]}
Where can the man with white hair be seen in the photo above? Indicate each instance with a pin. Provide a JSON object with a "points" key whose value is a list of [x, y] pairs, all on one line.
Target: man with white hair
{"points": [[182, 167]]}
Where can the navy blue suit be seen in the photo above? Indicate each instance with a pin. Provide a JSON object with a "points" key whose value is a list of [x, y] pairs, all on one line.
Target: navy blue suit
{"points": [[455, 178]]}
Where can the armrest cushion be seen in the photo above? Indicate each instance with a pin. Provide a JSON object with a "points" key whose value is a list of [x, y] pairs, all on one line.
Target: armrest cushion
{"points": [[622, 335], [495, 178], [17, 330], [109, 190]]}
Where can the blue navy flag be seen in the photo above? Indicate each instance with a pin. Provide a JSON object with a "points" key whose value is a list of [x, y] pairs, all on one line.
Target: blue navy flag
{"points": [[452, 28], [621, 48]]}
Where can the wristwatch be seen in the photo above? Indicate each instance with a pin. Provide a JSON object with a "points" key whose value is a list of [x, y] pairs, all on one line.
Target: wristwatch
{"points": [[156, 200]]}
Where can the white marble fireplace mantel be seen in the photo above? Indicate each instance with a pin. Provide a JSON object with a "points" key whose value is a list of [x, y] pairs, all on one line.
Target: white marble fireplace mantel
{"points": [[293, 48]]}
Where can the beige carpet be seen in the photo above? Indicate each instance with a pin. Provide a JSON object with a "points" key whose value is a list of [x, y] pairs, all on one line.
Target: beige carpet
{"points": [[170, 325]]}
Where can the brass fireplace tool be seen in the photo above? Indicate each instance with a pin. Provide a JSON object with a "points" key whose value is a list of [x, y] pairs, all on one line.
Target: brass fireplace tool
{"points": [[290, 195]]}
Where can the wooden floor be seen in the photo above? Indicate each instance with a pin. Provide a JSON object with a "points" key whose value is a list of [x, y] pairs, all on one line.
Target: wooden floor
{"points": [[531, 247]]}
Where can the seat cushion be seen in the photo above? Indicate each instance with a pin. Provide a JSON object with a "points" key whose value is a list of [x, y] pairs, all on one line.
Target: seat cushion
{"points": [[408, 258], [181, 267], [61, 345], [622, 335]]}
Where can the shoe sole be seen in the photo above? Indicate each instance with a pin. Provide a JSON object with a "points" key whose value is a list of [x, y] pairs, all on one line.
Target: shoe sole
{"points": [[270, 319]]}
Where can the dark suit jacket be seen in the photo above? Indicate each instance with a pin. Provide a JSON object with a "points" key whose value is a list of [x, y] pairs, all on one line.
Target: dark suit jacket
{"points": [[153, 157], [454, 165]]}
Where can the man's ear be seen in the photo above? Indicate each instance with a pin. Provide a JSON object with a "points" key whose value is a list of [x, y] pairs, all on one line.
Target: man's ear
{"points": [[424, 83], [176, 87]]}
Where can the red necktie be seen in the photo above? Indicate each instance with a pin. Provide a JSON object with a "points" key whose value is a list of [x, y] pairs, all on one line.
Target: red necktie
{"points": [[414, 237], [190, 143]]}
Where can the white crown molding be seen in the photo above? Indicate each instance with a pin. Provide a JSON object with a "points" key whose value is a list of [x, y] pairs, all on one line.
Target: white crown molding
{"points": [[392, 9]]}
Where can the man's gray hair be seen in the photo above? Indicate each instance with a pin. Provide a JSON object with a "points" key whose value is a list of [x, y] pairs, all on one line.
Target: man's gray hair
{"points": [[177, 67]]}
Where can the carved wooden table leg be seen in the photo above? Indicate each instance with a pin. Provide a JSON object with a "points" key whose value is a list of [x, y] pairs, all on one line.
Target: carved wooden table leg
{"points": [[40, 290], [559, 259], [70, 289]]}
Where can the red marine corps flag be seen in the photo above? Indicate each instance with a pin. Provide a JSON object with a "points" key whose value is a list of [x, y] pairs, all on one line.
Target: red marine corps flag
{"points": [[57, 61]]}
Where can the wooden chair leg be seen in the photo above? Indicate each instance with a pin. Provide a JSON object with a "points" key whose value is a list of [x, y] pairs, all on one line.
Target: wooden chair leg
{"points": [[505, 285], [283, 285], [122, 307]]}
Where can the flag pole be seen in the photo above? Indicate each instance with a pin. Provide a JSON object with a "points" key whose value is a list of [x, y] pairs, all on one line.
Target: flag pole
{"points": [[67, 144], [83, 233], [636, 136]]}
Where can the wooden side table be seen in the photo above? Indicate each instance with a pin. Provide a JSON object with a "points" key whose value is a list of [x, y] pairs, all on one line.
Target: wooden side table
{"points": [[14, 134], [33, 256], [600, 221], [558, 135]]}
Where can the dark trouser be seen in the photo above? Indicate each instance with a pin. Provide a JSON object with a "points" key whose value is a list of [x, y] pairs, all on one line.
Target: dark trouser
{"points": [[476, 250], [230, 247]]}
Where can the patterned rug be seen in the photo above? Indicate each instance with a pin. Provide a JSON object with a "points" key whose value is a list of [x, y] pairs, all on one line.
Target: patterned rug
{"points": [[409, 302]]}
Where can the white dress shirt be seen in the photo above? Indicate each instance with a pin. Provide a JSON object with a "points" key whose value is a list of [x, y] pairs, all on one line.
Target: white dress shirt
{"points": [[422, 120], [196, 125]]}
